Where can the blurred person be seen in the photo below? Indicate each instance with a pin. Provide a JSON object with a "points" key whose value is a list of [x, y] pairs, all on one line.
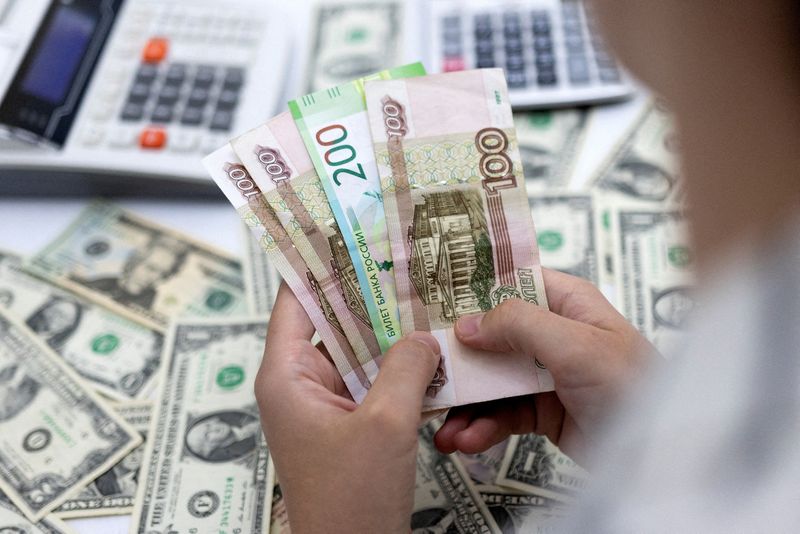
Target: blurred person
{"points": [[704, 441]]}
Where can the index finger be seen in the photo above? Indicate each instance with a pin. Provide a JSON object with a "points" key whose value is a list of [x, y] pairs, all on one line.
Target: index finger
{"points": [[288, 321]]}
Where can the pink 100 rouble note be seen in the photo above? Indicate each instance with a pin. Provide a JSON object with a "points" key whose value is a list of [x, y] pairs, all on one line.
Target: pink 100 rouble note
{"points": [[459, 222]]}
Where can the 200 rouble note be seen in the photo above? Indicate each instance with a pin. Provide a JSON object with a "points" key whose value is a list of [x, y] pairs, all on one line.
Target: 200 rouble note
{"points": [[459, 222], [140, 269], [336, 132], [56, 435], [207, 466], [240, 189], [117, 356]]}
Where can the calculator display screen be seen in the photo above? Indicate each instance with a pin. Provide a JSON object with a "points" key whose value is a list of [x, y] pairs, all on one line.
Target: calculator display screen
{"points": [[55, 63]]}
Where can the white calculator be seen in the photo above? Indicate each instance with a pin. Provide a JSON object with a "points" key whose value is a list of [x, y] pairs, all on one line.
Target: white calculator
{"points": [[133, 88], [550, 50]]}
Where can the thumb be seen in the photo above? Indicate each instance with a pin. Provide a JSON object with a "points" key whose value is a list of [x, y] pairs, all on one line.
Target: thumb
{"points": [[523, 327], [407, 370]]}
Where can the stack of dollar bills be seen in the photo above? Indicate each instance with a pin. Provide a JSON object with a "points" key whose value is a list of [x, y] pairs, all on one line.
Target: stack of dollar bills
{"points": [[128, 350]]}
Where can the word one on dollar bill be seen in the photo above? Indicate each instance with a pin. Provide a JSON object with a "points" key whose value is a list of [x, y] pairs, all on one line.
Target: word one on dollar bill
{"points": [[394, 203]]}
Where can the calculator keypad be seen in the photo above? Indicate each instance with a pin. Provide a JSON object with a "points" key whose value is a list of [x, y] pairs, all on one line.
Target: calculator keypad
{"points": [[555, 46]]}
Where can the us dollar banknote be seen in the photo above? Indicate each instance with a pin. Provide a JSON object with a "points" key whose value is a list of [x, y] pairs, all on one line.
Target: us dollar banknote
{"points": [[336, 131], [653, 268], [535, 466], [13, 521], [117, 356], [207, 466], [56, 435], [548, 144], [275, 156], [484, 466], [114, 491], [566, 233], [644, 166], [261, 277], [462, 238], [231, 176], [140, 269], [352, 39], [445, 500], [517, 513]]}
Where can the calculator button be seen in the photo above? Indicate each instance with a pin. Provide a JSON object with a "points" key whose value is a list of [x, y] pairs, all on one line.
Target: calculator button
{"points": [[169, 95], [132, 112], [610, 75], [451, 21], [515, 62], [541, 23], [146, 74], [198, 97], [139, 93], [228, 99], [546, 78], [485, 62], [575, 44], [162, 114], [122, 138], [452, 49], [192, 116], [578, 69], [222, 120], [484, 48], [102, 111], [205, 76], [93, 136], [153, 138], [183, 141], [452, 64], [483, 26], [514, 46], [542, 44], [176, 74], [545, 61], [155, 50], [516, 78], [234, 78]]}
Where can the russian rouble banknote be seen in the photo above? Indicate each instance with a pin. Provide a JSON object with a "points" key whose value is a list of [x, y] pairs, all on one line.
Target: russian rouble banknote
{"points": [[56, 435], [207, 467]]}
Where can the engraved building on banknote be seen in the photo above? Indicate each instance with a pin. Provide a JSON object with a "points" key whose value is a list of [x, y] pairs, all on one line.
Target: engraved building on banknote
{"points": [[346, 273], [451, 258]]}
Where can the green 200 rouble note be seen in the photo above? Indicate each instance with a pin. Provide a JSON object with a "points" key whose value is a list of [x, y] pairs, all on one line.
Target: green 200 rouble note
{"points": [[335, 129]]}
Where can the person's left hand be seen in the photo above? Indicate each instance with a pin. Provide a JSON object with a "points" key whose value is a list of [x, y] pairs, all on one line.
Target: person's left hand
{"points": [[342, 467]]}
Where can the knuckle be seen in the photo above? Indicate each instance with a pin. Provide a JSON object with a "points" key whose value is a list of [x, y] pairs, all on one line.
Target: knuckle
{"points": [[384, 419]]}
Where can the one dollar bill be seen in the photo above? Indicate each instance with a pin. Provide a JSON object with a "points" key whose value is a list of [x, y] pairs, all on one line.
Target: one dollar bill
{"points": [[117, 356], [56, 435], [144, 271], [207, 466], [12, 521]]}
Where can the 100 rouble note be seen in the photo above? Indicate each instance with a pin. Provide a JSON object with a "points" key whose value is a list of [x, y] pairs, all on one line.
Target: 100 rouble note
{"points": [[240, 189], [141, 270], [56, 435], [336, 131], [459, 222], [117, 356], [207, 467], [276, 158]]}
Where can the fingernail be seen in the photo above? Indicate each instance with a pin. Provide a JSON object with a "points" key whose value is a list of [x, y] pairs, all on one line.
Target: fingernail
{"points": [[468, 326], [428, 339]]}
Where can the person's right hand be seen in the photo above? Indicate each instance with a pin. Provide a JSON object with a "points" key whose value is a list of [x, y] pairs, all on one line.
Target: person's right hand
{"points": [[590, 349]]}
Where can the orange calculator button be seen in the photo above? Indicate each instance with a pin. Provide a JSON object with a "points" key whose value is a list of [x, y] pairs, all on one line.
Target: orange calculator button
{"points": [[155, 50], [153, 138]]}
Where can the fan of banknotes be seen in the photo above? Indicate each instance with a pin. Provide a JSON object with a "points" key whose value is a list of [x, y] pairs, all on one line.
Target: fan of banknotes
{"points": [[400, 202]]}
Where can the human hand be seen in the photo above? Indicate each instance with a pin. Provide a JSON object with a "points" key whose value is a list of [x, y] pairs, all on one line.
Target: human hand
{"points": [[342, 467], [590, 349]]}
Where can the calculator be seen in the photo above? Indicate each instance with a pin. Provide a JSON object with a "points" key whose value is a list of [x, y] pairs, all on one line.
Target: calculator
{"points": [[140, 88], [551, 51]]}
